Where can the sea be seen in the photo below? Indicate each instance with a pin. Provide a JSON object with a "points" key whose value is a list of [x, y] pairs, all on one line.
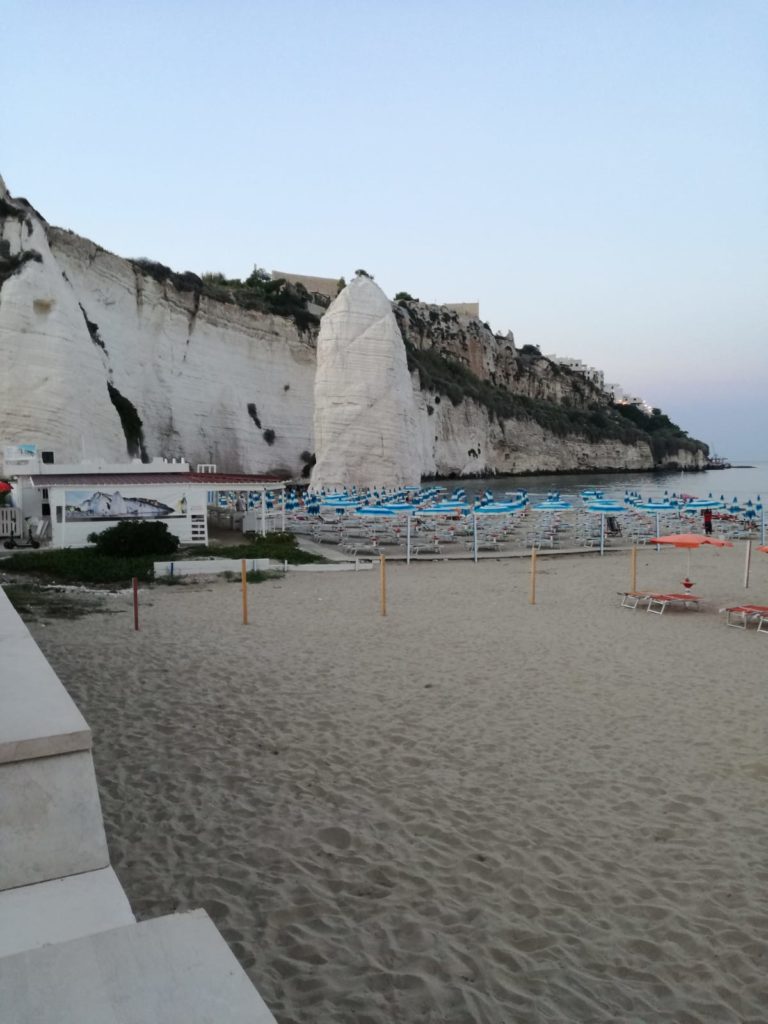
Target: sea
{"points": [[740, 482]]}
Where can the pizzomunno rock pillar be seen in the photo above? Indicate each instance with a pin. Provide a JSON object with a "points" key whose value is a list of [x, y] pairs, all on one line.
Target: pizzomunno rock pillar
{"points": [[365, 419]]}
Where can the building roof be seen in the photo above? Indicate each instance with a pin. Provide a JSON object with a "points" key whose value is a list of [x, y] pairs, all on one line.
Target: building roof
{"points": [[211, 481]]}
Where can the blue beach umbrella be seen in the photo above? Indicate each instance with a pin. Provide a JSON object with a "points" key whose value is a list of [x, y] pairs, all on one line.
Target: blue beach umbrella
{"points": [[605, 508], [374, 512], [553, 505], [399, 506], [701, 503], [658, 507], [500, 508]]}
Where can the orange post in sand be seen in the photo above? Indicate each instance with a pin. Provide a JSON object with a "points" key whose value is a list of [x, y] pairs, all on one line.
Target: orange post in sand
{"points": [[383, 565]]}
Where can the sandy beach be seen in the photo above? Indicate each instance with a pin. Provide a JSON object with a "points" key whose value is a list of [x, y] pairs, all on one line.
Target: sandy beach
{"points": [[472, 810]]}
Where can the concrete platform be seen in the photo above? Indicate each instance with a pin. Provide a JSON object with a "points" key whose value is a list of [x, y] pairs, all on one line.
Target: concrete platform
{"points": [[50, 820], [38, 718], [57, 911], [173, 970]]}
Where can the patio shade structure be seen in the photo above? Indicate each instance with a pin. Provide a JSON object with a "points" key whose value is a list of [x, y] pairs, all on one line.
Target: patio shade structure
{"points": [[690, 541], [455, 510], [605, 508], [497, 508], [658, 507]]}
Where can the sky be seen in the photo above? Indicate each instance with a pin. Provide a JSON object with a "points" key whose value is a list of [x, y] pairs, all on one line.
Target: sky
{"points": [[593, 172]]}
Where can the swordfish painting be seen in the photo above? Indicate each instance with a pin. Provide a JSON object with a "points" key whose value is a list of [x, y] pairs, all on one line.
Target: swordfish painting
{"points": [[100, 505]]}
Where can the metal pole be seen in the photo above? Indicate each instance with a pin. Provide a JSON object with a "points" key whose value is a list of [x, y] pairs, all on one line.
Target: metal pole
{"points": [[634, 569], [408, 540], [658, 529], [282, 518], [243, 584], [135, 604], [532, 598], [263, 513], [746, 566], [383, 568], [474, 534], [602, 532]]}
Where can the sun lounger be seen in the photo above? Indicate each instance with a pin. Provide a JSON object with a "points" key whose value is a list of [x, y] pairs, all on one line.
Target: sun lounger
{"points": [[360, 546], [658, 602], [740, 615], [632, 598], [425, 547]]}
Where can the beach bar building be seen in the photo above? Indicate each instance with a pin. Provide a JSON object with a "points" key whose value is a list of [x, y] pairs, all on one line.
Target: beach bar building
{"points": [[70, 502]]}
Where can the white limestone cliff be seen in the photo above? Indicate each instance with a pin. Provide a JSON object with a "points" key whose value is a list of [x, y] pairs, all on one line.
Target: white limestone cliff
{"points": [[211, 381], [53, 381], [86, 335], [81, 328], [365, 422]]}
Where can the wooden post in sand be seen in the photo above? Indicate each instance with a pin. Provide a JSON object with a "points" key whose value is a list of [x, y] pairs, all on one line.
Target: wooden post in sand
{"points": [[633, 563], [243, 584], [746, 566], [383, 567], [533, 576], [135, 604]]}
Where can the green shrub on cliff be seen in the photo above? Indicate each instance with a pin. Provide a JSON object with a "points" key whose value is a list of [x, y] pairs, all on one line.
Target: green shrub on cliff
{"points": [[257, 292]]}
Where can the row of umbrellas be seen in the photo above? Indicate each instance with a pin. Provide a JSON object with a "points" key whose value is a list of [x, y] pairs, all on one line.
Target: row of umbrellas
{"points": [[429, 501]]}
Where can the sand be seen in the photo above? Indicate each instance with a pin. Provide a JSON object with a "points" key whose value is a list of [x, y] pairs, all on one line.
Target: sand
{"points": [[470, 810]]}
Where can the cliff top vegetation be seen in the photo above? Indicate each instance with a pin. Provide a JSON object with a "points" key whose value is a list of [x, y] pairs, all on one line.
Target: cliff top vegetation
{"points": [[598, 422], [258, 292]]}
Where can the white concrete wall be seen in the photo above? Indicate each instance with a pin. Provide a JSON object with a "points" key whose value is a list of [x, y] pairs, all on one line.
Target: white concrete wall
{"points": [[209, 566]]}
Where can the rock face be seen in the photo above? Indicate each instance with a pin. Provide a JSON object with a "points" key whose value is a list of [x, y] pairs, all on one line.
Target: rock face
{"points": [[492, 357], [102, 358], [365, 422], [210, 381], [99, 359], [53, 379]]}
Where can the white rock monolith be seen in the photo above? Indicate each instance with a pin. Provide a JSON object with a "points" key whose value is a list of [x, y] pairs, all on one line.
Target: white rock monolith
{"points": [[365, 417]]}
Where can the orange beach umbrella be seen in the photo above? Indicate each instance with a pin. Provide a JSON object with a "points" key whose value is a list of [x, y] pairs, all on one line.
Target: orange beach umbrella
{"points": [[690, 540]]}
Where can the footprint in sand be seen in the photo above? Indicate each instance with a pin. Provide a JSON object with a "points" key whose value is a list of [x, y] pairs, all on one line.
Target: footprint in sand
{"points": [[335, 836]]}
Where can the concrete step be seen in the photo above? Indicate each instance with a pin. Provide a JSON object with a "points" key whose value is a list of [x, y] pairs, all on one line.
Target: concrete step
{"points": [[173, 970], [50, 819], [65, 908], [38, 718]]}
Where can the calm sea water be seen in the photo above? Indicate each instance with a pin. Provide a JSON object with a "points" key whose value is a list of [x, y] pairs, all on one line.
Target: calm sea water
{"points": [[741, 483]]}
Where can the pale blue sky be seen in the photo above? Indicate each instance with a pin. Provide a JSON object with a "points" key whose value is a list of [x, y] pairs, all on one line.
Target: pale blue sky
{"points": [[595, 173]]}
